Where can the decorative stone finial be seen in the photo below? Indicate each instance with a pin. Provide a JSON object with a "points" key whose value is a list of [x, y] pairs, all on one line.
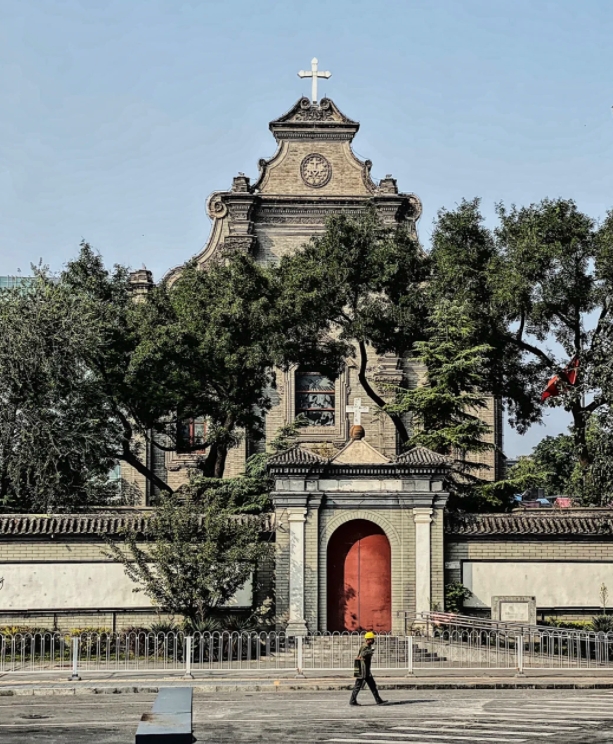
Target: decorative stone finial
{"points": [[241, 184], [357, 432], [388, 185], [141, 281]]}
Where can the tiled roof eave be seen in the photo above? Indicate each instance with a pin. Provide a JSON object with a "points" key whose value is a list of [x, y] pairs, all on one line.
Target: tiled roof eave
{"points": [[89, 525], [578, 524]]}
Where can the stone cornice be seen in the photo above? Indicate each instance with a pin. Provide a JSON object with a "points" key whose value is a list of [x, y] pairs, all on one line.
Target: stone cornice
{"points": [[357, 471], [308, 121]]}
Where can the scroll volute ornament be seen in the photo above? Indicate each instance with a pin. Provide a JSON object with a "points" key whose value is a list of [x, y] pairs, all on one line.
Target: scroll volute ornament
{"points": [[216, 208]]}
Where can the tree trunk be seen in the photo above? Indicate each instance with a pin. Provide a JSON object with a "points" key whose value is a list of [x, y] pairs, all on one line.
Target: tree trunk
{"points": [[207, 467], [377, 399], [215, 462], [580, 418], [220, 460]]}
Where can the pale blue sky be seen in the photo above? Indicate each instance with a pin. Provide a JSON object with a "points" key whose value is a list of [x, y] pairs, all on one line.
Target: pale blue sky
{"points": [[119, 118]]}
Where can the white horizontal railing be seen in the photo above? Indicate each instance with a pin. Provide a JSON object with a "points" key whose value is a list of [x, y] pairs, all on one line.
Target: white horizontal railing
{"points": [[438, 641], [470, 642]]}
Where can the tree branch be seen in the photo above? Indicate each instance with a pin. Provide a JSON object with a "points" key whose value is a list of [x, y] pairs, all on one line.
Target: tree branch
{"points": [[129, 457], [603, 314], [591, 407], [525, 346], [522, 323], [397, 420]]}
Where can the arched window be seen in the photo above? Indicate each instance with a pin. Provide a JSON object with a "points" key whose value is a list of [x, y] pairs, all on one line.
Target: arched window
{"points": [[191, 435], [315, 398]]}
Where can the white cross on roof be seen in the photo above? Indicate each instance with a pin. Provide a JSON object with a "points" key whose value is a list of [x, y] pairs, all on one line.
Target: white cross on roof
{"points": [[314, 74]]}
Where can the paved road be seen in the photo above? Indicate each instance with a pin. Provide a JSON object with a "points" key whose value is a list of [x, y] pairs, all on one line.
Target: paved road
{"points": [[415, 717]]}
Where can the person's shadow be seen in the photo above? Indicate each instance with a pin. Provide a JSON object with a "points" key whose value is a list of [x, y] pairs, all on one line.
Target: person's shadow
{"points": [[389, 703]]}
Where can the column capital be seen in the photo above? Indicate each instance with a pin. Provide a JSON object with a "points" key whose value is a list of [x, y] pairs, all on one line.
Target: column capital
{"points": [[296, 514], [422, 515]]}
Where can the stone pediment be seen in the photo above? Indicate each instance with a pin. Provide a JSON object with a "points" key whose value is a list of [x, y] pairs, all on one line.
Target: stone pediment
{"points": [[313, 175], [359, 452], [307, 120]]}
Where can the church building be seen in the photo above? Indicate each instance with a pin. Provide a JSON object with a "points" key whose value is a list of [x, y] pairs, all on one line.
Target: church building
{"points": [[362, 540], [313, 174], [359, 527]]}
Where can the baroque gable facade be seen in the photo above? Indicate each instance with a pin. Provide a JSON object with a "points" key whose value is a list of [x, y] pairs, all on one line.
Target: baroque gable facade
{"points": [[313, 174]]}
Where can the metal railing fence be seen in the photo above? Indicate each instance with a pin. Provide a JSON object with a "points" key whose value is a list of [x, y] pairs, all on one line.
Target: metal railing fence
{"points": [[438, 642], [198, 652], [469, 642]]}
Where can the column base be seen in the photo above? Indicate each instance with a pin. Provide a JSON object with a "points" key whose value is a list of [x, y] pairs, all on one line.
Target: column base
{"points": [[296, 628]]}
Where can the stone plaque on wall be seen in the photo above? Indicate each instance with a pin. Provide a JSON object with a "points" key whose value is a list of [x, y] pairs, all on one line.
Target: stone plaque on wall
{"points": [[514, 609]]}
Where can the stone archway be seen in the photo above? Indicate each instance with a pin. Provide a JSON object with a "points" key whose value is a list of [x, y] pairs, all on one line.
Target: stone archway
{"points": [[359, 578]]}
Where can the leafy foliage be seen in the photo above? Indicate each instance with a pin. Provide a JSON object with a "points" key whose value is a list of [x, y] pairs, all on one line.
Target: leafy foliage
{"points": [[602, 623], [196, 555], [545, 272], [360, 283], [445, 409], [53, 427], [213, 337], [550, 466], [285, 438], [554, 466], [91, 374], [455, 596], [212, 341]]}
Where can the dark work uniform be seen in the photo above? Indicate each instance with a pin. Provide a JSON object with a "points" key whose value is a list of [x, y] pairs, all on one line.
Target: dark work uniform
{"points": [[363, 675]]}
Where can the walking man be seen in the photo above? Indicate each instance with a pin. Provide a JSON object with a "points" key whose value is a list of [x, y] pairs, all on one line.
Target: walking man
{"points": [[362, 672]]}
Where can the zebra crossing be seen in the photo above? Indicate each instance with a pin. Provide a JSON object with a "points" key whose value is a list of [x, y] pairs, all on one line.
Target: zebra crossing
{"points": [[577, 717]]}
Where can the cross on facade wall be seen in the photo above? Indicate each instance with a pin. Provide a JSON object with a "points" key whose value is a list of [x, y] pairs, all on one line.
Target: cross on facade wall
{"points": [[357, 409], [314, 74]]}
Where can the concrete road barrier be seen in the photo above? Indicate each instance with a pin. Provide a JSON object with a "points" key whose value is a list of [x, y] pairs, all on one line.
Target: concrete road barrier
{"points": [[170, 719]]}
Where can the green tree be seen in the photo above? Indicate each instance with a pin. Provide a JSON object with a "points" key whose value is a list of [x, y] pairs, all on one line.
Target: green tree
{"points": [[214, 338], [594, 486], [361, 283], [92, 374], [196, 553], [445, 409], [555, 457], [543, 274], [54, 433]]}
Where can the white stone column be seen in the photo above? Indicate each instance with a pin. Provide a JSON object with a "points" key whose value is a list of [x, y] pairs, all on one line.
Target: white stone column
{"points": [[297, 623], [423, 518]]}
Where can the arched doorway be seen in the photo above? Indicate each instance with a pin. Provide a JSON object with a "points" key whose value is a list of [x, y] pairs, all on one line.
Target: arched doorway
{"points": [[359, 578]]}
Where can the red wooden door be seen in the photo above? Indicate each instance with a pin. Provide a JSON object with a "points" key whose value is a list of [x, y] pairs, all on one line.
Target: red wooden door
{"points": [[359, 578]]}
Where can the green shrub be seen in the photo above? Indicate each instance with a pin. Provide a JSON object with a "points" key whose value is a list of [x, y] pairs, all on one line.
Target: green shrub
{"points": [[455, 596], [209, 624], [602, 623], [87, 631], [164, 626], [11, 630], [554, 622]]}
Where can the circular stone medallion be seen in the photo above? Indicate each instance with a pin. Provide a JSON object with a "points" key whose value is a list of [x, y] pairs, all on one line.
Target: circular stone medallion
{"points": [[315, 170]]}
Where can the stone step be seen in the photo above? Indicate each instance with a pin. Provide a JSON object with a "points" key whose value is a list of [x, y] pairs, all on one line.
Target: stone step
{"points": [[394, 651]]}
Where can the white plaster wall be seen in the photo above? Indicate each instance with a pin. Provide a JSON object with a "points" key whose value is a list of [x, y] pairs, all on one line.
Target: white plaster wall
{"points": [[62, 586], [554, 584]]}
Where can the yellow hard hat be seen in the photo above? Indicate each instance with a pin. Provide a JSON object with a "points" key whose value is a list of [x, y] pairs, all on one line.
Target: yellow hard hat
{"points": [[369, 635]]}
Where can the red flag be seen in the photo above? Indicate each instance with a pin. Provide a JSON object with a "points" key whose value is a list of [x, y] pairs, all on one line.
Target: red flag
{"points": [[572, 370], [568, 377], [551, 390]]}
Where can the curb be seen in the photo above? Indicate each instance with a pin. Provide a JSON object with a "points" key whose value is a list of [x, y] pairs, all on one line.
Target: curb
{"points": [[279, 686]]}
